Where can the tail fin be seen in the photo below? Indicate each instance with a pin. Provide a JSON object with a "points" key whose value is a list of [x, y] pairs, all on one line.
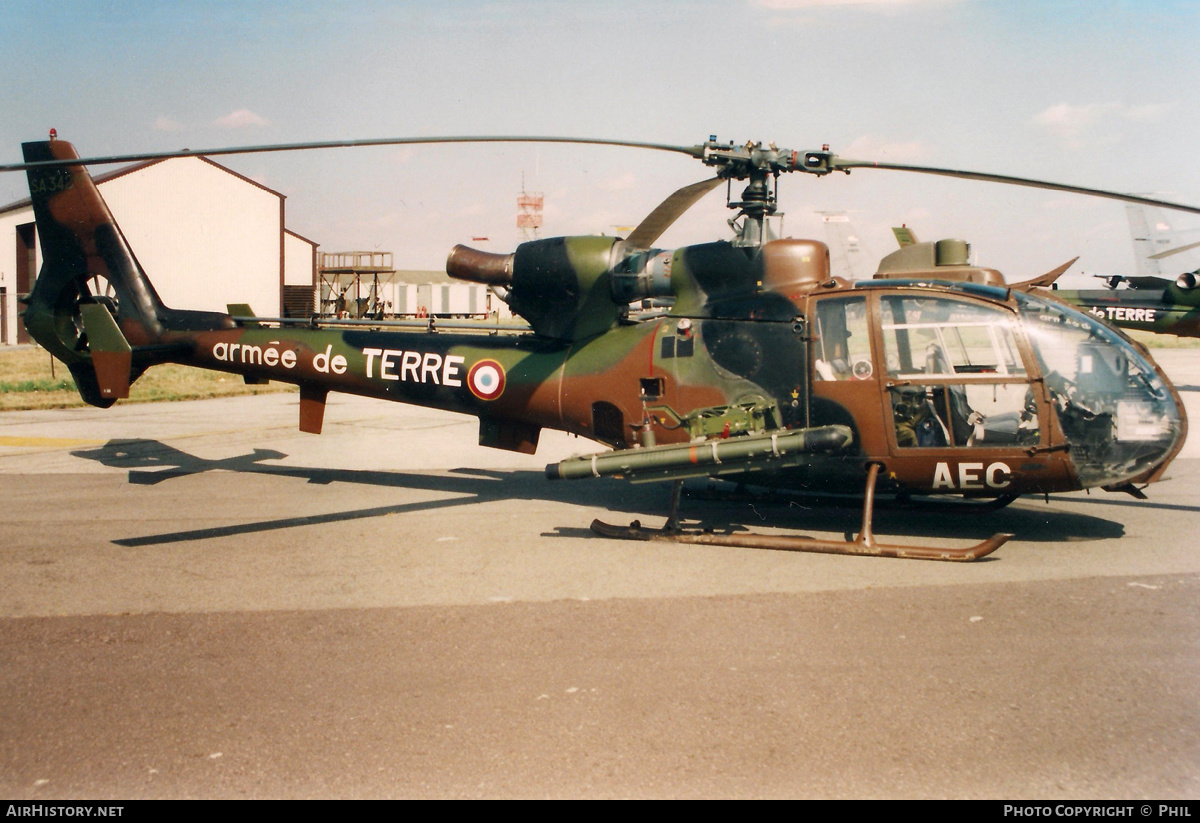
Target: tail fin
{"points": [[87, 261], [1046, 280], [1151, 235], [905, 236]]}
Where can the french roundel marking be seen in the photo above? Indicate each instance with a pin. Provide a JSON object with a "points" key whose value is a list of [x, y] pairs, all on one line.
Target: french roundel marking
{"points": [[486, 380]]}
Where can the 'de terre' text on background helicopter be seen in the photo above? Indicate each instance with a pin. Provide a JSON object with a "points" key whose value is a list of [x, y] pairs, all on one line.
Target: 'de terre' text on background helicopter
{"points": [[1155, 299], [742, 359], [1146, 303]]}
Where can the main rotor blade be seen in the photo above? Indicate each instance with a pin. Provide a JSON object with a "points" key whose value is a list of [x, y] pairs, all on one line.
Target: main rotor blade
{"points": [[692, 151], [844, 164], [668, 211], [734, 161], [1170, 252]]}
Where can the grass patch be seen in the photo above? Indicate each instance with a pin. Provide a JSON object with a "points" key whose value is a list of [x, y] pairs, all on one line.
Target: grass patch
{"points": [[37, 385], [30, 379]]}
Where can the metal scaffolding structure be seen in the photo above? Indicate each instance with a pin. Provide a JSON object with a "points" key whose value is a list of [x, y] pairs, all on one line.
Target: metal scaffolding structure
{"points": [[355, 284]]}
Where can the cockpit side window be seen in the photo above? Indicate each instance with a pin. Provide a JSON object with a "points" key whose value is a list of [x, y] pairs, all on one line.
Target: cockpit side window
{"points": [[957, 375], [843, 347], [948, 338]]}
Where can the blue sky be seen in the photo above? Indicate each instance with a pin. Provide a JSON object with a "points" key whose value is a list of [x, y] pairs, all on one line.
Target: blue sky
{"points": [[1099, 94]]}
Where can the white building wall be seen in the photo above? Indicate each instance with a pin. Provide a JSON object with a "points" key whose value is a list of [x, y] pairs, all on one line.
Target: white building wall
{"points": [[456, 298], [447, 298], [8, 271], [8, 250], [204, 236], [404, 298], [299, 260]]}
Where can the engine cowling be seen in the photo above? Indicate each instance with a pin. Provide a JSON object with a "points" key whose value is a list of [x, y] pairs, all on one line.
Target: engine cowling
{"points": [[561, 285]]}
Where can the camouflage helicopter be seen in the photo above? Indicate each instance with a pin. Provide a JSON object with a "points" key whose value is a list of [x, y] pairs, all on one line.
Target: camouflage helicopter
{"points": [[1148, 300], [743, 359], [1147, 303]]}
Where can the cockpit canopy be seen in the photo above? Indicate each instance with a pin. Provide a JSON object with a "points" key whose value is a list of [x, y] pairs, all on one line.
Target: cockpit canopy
{"points": [[1118, 414]]}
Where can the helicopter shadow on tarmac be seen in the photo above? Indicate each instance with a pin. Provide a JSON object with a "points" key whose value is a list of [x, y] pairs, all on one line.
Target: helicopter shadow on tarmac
{"points": [[150, 462]]}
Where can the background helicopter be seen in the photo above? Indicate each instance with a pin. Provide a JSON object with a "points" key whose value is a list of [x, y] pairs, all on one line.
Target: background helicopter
{"points": [[739, 359], [1143, 302], [1151, 300], [1153, 304]]}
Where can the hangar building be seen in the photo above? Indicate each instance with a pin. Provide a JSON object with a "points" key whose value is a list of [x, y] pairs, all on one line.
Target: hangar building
{"points": [[206, 236]]}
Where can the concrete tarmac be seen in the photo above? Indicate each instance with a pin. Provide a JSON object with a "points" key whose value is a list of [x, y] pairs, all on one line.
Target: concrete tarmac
{"points": [[199, 601]]}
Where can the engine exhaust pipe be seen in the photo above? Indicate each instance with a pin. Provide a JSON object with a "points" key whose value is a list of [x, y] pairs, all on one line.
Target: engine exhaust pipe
{"points": [[465, 263]]}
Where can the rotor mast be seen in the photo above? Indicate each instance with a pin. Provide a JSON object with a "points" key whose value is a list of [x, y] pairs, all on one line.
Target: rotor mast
{"points": [[760, 166]]}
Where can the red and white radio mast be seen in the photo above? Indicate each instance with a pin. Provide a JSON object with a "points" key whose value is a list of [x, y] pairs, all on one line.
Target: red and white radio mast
{"points": [[529, 212]]}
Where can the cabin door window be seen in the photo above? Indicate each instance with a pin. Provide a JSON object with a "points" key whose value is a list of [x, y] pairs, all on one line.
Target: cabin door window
{"points": [[955, 375]]}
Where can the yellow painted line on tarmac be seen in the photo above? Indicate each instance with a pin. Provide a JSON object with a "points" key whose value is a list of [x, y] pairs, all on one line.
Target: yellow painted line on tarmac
{"points": [[47, 442]]}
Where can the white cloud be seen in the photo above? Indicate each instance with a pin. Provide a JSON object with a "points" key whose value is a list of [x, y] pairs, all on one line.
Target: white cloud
{"points": [[401, 156], [164, 123], [624, 182], [1068, 122], [790, 14], [240, 119], [1076, 125], [1148, 112], [869, 147], [918, 214], [788, 5], [474, 210]]}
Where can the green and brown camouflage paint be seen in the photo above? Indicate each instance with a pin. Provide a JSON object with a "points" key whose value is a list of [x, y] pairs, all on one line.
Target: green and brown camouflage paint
{"points": [[731, 356]]}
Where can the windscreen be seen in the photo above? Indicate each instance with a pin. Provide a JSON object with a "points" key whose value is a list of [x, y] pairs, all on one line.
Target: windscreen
{"points": [[1117, 413]]}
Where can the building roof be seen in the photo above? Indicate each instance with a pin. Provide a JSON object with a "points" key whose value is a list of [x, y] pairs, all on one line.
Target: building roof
{"points": [[26, 202], [421, 277], [313, 243]]}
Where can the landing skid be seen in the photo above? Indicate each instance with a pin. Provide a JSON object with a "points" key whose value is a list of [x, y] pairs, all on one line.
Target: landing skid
{"points": [[864, 544], [816, 500]]}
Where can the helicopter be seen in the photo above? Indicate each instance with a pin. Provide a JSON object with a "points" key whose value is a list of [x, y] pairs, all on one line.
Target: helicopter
{"points": [[742, 359], [1146, 303]]}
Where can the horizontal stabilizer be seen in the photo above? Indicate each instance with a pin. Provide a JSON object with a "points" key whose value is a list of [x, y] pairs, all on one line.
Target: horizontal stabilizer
{"points": [[243, 313]]}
